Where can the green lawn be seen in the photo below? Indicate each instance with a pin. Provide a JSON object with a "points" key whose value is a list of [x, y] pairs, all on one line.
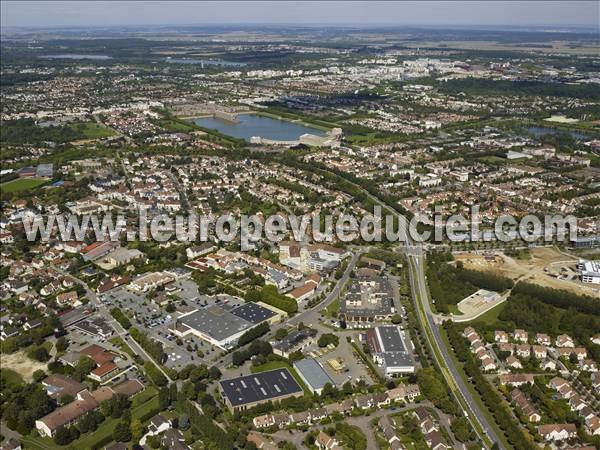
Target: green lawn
{"points": [[333, 308], [176, 126], [21, 184], [272, 365], [454, 310], [120, 343], [92, 130], [493, 159], [491, 316]]}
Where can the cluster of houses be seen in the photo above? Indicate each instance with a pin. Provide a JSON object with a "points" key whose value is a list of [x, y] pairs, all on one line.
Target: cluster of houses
{"points": [[286, 279], [402, 393], [106, 361], [427, 424], [541, 349], [52, 282], [84, 402], [564, 390], [235, 262], [310, 257], [485, 356], [577, 404], [155, 191], [524, 405]]}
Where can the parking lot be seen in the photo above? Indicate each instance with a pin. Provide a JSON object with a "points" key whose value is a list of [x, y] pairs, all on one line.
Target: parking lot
{"points": [[354, 368], [148, 316]]}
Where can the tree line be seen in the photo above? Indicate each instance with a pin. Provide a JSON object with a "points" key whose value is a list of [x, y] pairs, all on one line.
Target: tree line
{"points": [[516, 437]]}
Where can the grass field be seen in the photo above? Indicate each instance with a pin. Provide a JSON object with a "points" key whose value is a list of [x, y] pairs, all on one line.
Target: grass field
{"points": [[176, 126], [491, 316], [92, 130], [493, 159], [454, 310], [333, 308], [21, 184], [119, 342]]}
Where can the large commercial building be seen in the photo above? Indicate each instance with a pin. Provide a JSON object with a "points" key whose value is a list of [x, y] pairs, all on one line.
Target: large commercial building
{"points": [[389, 350], [369, 299], [222, 327], [313, 374], [244, 392], [585, 242], [590, 271]]}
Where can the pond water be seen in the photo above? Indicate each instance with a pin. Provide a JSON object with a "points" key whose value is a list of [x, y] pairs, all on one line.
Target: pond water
{"points": [[249, 125], [543, 131], [76, 56], [205, 62]]}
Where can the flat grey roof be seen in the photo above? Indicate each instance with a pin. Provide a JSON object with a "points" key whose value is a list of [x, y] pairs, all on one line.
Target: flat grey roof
{"points": [[216, 322], [263, 386], [374, 295], [397, 359], [253, 312], [393, 347], [314, 374], [391, 339], [294, 338]]}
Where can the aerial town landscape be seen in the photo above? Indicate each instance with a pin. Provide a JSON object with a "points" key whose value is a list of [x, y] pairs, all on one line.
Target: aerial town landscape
{"points": [[147, 335]]}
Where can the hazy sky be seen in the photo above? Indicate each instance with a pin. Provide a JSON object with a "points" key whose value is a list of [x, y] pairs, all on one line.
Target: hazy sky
{"points": [[75, 13]]}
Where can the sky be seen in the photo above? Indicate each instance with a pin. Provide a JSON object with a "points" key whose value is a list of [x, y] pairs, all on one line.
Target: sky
{"points": [[438, 13]]}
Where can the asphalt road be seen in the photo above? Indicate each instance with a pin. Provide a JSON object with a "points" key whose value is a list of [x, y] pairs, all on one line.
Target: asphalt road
{"points": [[364, 423], [419, 285], [309, 316], [414, 251]]}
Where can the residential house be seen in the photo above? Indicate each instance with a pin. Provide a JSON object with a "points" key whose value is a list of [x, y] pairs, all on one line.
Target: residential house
{"points": [[542, 339], [435, 441], [501, 336], [513, 362], [539, 351], [521, 336], [557, 431], [517, 379], [523, 350], [564, 340], [326, 442]]}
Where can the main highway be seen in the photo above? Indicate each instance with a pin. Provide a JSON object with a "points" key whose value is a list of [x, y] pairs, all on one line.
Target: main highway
{"points": [[415, 255]]}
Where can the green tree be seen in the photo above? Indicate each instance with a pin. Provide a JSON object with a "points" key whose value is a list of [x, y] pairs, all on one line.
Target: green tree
{"points": [[122, 433], [137, 430], [38, 375], [61, 344]]}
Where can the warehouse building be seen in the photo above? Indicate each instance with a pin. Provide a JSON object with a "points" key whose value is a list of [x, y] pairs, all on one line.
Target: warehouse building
{"points": [[313, 374], [389, 350], [247, 391], [222, 327]]}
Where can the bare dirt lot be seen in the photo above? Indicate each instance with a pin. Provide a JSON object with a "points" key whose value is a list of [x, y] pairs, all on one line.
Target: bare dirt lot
{"points": [[544, 267], [20, 363]]}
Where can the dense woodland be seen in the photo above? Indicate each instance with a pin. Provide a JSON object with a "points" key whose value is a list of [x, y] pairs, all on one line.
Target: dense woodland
{"points": [[450, 284]]}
